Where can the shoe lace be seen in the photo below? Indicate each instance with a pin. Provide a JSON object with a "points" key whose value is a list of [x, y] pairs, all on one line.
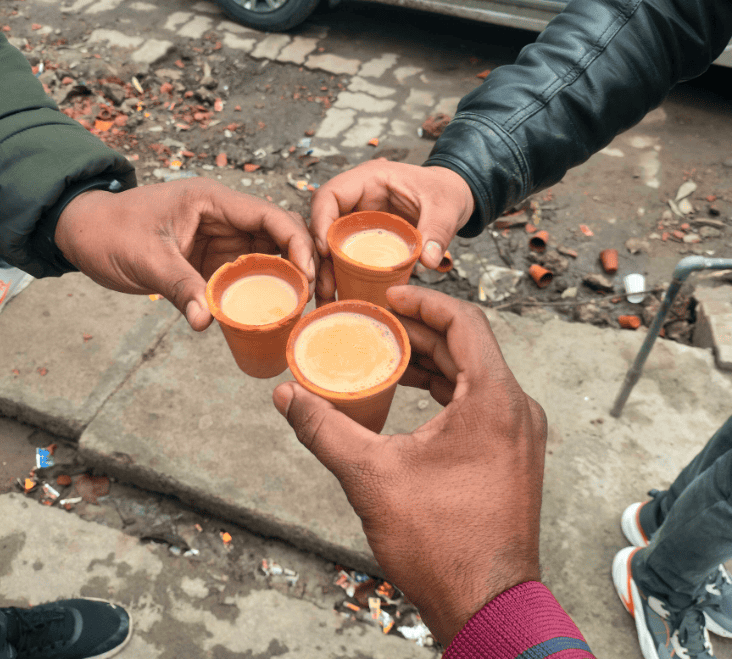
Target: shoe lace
{"points": [[39, 629], [693, 635], [712, 589]]}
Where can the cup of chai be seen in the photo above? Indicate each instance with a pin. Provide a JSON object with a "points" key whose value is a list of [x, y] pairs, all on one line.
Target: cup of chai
{"points": [[352, 353], [257, 300], [372, 251]]}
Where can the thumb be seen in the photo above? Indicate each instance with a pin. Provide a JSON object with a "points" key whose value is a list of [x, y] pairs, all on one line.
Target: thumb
{"points": [[436, 236], [184, 287], [331, 436]]}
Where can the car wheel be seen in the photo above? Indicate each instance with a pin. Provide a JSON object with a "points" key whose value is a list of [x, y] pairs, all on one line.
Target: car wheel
{"points": [[269, 15]]}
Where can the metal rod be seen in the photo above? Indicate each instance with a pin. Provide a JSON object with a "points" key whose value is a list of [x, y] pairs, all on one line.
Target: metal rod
{"points": [[686, 266]]}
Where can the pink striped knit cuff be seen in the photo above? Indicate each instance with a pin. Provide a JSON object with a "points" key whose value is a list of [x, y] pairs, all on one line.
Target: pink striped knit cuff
{"points": [[524, 622]]}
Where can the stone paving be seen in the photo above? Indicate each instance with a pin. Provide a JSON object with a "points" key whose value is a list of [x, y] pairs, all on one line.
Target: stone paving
{"points": [[378, 85]]}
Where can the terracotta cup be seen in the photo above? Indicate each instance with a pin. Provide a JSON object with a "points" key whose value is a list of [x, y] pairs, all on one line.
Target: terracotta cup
{"points": [[609, 260], [538, 242], [540, 275], [259, 350], [368, 407], [356, 281], [446, 263]]}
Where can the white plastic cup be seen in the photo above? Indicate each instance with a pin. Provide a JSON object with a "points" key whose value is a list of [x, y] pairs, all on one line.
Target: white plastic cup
{"points": [[635, 285]]}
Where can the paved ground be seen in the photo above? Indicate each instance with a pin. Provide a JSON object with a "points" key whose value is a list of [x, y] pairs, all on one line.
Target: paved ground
{"points": [[144, 399], [179, 424]]}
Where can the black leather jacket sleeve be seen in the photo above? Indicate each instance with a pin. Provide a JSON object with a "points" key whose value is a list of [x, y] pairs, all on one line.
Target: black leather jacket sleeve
{"points": [[595, 71]]}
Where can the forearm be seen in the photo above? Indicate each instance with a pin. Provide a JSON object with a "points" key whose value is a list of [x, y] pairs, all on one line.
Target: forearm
{"points": [[42, 153], [595, 71]]}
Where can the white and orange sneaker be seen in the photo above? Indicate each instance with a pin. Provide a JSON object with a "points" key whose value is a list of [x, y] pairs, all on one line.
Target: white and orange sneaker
{"points": [[663, 633], [715, 598]]}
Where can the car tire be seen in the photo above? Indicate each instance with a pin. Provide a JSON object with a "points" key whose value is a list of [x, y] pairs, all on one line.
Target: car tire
{"points": [[264, 17]]}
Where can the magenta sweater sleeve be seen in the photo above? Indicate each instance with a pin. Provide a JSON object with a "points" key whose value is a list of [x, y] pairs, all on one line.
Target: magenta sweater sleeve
{"points": [[524, 622]]}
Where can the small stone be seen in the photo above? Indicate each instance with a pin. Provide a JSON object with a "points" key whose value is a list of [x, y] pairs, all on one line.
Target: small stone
{"points": [[246, 182], [709, 232], [598, 282], [434, 125], [592, 313], [555, 263], [569, 292], [674, 208], [654, 236], [691, 238], [686, 189], [685, 207], [667, 217], [635, 245], [422, 404], [705, 221]]}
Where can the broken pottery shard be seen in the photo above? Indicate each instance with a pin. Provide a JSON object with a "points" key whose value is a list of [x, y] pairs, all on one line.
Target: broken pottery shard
{"points": [[92, 487], [686, 189]]}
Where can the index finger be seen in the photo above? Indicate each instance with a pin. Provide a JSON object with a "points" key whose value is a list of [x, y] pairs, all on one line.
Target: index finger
{"points": [[252, 215], [471, 343], [330, 201]]}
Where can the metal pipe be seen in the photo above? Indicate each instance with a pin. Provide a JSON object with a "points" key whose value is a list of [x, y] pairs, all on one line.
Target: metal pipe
{"points": [[683, 270]]}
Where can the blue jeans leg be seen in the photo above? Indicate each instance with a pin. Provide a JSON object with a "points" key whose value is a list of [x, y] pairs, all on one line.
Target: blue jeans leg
{"points": [[695, 535]]}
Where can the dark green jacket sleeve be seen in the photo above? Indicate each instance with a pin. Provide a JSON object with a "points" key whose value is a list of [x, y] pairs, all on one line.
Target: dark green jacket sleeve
{"points": [[595, 71], [42, 152]]}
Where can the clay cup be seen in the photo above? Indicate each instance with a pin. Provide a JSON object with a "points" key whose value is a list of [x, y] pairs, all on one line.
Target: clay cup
{"points": [[357, 281], [259, 350], [368, 407]]}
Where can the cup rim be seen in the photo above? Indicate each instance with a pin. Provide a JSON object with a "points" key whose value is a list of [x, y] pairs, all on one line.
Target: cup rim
{"points": [[353, 217], [274, 265], [351, 306]]}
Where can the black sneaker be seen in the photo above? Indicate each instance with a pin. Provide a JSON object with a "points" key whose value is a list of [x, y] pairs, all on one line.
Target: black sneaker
{"points": [[68, 629]]}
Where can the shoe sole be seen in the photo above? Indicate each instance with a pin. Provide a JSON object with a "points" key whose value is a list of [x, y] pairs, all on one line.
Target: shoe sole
{"points": [[631, 527], [627, 592], [714, 627], [113, 651]]}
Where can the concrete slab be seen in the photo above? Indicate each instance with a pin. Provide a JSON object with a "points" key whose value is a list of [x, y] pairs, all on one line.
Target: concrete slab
{"points": [[50, 375], [597, 465], [179, 607], [713, 325], [190, 423]]}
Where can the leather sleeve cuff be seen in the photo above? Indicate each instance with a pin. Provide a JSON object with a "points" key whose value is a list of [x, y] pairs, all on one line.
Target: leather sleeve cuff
{"points": [[43, 237]]}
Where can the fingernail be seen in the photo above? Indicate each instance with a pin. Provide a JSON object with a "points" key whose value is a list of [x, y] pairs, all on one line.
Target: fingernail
{"points": [[434, 252], [284, 397]]}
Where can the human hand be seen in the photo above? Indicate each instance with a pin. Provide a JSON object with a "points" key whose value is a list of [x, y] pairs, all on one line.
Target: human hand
{"points": [[169, 238], [434, 199], [451, 510]]}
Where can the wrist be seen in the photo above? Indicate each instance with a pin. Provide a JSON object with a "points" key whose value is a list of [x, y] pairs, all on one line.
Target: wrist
{"points": [[462, 194], [449, 613], [57, 231]]}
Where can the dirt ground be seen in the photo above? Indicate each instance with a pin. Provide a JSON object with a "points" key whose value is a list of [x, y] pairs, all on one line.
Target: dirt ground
{"points": [[257, 139]]}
